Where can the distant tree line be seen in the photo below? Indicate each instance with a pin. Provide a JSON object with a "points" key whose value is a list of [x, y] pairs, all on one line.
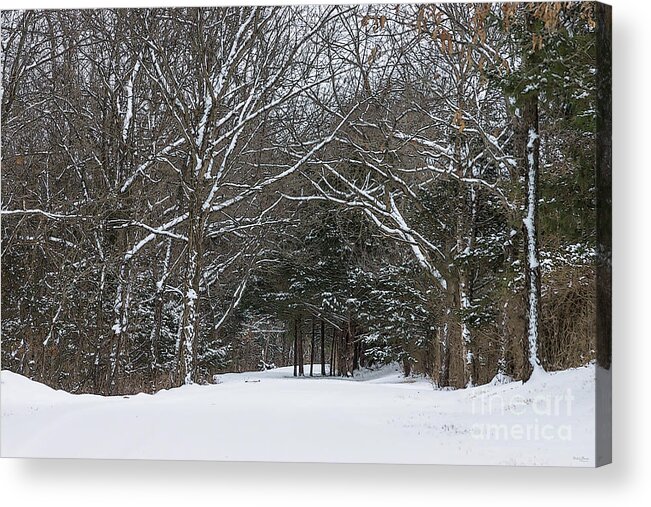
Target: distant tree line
{"points": [[188, 191]]}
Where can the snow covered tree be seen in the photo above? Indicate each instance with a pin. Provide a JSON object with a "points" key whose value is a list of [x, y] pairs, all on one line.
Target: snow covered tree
{"points": [[191, 190]]}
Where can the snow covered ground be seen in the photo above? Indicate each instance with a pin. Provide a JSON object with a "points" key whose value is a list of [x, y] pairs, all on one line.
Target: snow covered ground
{"points": [[271, 416]]}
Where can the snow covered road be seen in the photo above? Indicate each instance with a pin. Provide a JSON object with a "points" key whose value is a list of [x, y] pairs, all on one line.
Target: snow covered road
{"points": [[272, 416]]}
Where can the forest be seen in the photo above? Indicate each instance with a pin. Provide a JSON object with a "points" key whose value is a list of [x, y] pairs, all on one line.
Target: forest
{"points": [[193, 191]]}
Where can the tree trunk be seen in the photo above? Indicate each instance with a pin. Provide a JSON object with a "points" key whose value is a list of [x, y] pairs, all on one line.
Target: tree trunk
{"points": [[530, 221], [295, 347], [189, 321], [312, 348], [406, 366], [464, 304], [299, 353], [342, 352], [333, 351], [356, 353], [323, 368], [120, 327], [100, 330], [444, 371], [155, 337], [349, 351]]}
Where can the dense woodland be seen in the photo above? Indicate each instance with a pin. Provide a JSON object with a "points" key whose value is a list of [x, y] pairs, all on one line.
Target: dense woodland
{"points": [[189, 191]]}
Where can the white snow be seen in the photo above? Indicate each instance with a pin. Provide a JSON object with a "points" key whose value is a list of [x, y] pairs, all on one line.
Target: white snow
{"points": [[379, 416]]}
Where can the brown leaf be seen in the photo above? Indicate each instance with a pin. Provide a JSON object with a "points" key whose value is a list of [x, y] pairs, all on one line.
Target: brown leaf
{"points": [[446, 41]]}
